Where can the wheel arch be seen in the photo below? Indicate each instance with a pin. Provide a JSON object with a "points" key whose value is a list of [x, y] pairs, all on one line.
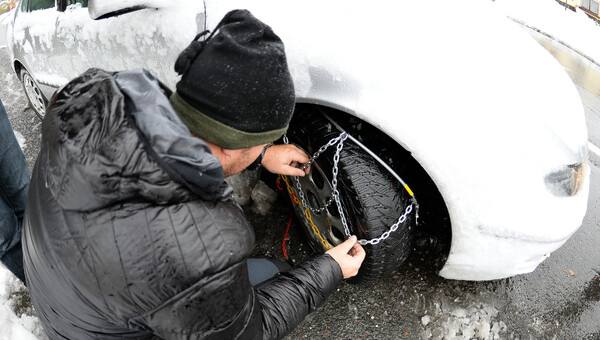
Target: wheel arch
{"points": [[434, 218], [17, 67]]}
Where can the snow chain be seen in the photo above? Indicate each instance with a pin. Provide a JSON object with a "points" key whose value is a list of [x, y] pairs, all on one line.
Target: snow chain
{"points": [[336, 195]]}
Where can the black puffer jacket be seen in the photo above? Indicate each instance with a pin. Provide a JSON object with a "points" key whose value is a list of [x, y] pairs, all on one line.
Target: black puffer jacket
{"points": [[130, 231]]}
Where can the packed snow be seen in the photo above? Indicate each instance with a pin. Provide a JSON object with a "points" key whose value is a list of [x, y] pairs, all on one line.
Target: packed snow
{"points": [[478, 320], [16, 322], [452, 322], [4, 17]]}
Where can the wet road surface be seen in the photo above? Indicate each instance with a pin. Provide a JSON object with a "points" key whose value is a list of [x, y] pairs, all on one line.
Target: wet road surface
{"points": [[560, 300]]}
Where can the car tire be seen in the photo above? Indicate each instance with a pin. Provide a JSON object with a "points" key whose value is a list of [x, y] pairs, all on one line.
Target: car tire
{"points": [[36, 98], [373, 200]]}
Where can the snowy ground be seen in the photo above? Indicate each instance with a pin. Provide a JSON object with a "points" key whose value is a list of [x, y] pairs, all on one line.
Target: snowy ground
{"points": [[573, 29], [3, 21], [21, 326]]}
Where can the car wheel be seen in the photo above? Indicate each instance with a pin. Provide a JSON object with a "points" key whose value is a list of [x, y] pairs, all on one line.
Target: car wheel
{"points": [[34, 94], [372, 198]]}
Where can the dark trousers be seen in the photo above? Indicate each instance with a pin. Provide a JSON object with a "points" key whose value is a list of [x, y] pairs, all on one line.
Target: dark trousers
{"points": [[14, 182], [260, 270]]}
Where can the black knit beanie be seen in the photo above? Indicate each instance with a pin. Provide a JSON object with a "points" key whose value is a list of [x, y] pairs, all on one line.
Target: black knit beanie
{"points": [[236, 90]]}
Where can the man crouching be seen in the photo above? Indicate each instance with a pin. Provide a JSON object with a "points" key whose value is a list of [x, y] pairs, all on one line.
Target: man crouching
{"points": [[130, 230]]}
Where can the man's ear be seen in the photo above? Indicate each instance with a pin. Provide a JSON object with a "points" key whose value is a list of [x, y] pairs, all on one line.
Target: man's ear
{"points": [[229, 153], [225, 151], [215, 149]]}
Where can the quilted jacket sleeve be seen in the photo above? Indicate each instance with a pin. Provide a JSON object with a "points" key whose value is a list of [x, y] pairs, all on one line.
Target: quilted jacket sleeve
{"points": [[286, 299], [226, 306]]}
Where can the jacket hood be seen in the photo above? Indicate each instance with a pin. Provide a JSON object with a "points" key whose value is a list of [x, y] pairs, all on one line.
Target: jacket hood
{"points": [[112, 137]]}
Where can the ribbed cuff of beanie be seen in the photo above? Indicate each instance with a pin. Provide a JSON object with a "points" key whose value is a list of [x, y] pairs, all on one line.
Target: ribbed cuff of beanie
{"points": [[218, 133]]}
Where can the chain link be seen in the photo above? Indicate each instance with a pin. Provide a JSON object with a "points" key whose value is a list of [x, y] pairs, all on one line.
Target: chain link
{"points": [[393, 228], [335, 193], [340, 139]]}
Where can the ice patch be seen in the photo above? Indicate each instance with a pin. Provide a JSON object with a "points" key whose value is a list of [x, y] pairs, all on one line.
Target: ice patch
{"points": [[425, 320], [474, 322]]}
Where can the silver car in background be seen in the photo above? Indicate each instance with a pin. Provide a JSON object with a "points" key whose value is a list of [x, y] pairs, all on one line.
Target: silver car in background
{"points": [[454, 111]]}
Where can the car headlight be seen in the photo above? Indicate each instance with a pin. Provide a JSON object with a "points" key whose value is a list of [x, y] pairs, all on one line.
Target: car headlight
{"points": [[567, 181]]}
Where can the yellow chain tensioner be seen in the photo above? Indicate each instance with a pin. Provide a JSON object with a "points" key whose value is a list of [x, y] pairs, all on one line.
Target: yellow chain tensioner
{"points": [[306, 211]]}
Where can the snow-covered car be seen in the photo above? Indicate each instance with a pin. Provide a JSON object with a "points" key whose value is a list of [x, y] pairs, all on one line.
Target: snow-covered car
{"points": [[452, 112]]}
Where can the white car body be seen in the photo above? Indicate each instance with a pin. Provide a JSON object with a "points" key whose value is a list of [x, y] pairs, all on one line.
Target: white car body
{"points": [[484, 109]]}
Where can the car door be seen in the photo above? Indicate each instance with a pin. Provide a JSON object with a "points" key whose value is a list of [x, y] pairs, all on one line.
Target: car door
{"points": [[128, 35], [34, 43], [57, 41]]}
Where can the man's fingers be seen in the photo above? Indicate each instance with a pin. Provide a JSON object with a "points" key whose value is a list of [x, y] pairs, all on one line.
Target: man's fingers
{"points": [[301, 157], [358, 252], [295, 172], [354, 249], [349, 255], [284, 159], [298, 157], [348, 244]]}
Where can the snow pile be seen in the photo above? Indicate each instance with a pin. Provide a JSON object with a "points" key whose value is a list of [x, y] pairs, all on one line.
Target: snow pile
{"points": [[263, 197], [13, 326], [242, 184], [452, 322], [248, 188]]}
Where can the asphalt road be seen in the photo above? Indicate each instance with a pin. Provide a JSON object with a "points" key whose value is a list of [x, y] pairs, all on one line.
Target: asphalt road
{"points": [[560, 300]]}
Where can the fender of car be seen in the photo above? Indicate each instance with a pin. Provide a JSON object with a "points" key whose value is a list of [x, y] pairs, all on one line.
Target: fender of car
{"points": [[488, 114]]}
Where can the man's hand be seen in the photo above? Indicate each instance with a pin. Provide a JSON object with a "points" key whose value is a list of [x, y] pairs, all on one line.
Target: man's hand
{"points": [[282, 159], [349, 255]]}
